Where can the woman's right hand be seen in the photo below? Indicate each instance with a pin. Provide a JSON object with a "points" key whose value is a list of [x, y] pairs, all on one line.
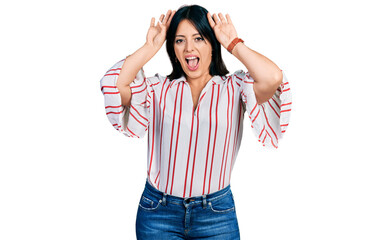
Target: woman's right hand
{"points": [[156, 35]]}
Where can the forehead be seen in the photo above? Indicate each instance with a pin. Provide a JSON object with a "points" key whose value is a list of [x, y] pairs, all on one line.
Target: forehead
{"points": [[185, 27]]}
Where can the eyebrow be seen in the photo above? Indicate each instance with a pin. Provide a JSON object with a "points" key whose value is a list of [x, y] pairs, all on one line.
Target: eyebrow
{"points": [[184, 36]]}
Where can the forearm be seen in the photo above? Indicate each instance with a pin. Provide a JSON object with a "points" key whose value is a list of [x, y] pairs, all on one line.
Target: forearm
{"points": [[267, 75], [133, 63], [130, 68], [262, 69]]}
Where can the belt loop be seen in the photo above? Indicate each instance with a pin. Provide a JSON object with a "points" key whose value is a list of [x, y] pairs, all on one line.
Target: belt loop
{"points": [[164, 199], [204, 204]]}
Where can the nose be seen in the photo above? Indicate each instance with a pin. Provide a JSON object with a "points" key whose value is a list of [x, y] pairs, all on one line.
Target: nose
{"points": [[189, 46]]}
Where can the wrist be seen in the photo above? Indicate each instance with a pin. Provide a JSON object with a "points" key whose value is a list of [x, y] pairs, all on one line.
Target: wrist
{"points": [[234, 43], [149, 50], [149, 47], [238, 48]]}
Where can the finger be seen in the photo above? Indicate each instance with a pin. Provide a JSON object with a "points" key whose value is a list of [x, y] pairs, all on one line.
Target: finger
{"points": [[222, 18], [152, 22], [216, 18], [228, 18], [161, 18], [210, 19], [170, 18], [166, 17]]}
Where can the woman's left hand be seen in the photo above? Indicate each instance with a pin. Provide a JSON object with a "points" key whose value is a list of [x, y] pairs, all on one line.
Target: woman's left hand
{"points": [[223, 28]]}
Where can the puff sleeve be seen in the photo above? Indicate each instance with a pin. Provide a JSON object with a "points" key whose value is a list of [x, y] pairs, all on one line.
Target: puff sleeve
{"points": [[270, 119], [131, 120]]}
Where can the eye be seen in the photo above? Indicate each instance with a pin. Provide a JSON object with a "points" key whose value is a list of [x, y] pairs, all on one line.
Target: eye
{"points": [[178, 41], [199, 39]]}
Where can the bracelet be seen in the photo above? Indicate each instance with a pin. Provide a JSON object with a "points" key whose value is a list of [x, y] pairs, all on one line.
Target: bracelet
{"points": [[234, 43]]}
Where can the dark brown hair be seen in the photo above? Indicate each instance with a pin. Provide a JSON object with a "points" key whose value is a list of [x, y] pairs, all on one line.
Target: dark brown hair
{"points": [[197, 15]]}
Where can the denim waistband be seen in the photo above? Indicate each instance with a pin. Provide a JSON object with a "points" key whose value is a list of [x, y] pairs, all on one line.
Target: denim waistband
{"points": [[170, 198]]}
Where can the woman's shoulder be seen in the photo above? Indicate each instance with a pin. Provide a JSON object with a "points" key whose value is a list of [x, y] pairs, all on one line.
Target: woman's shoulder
{"points": [[237, 76], [157, 80]]}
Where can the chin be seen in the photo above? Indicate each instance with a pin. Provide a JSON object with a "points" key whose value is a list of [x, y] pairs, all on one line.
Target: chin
{"points": [[192, 74]]}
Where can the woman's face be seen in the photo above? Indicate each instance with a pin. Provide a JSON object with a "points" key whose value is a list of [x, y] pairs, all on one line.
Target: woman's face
{"points": [[192, 51]]}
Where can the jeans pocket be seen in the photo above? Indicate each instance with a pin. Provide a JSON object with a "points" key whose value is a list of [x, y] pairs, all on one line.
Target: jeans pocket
{"points": [[224, 204], [149, 202]]}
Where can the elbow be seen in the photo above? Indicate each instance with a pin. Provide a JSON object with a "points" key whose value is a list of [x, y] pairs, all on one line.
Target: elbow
{"points": [[278, 79], [265, 91]]}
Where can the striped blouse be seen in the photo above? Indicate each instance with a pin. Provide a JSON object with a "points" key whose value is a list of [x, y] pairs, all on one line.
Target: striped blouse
{"points": [[191, 152]]}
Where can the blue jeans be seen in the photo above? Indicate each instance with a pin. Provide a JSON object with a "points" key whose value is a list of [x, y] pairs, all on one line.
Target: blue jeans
{"points": [[164, 217]]}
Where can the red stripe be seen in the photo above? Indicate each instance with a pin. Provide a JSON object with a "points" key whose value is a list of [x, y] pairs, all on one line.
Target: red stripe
{"points": [[111, 92], [286, 104], [258, 112], [107, 87], [196, 141], [226, 137], [157, 177], [110, 74], [265, 137], [140, 90], [284, 125], [195, 152], [275, 102], [277, 114], [130, 113], [152, 85], [235, 141], [188, 155], [114, 69], [231, 124], [114, 112], [136, 86], [171, 138], [139, 113], [269, 125], [285, 90], [177, 138], [273, 144], [262, 130], [237, 77], [285, 110], [132, 132], [253, 109], [208, 139], [161, 131], [153, 133], [249, 82], [215, 138], [113, 106]]}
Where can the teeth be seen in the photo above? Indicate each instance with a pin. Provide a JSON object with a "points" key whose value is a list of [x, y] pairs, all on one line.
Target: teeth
{"points": [[191, 58]]}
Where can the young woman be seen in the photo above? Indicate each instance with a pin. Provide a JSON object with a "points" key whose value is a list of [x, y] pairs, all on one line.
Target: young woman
{"points": [[194, 118]]}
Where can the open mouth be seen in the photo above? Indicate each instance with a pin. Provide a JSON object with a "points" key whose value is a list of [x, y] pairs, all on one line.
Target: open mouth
{"points": [[192, 63]]}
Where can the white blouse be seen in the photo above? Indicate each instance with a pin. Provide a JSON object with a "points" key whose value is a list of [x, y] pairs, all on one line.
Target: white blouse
{"points": [[191, 152]]}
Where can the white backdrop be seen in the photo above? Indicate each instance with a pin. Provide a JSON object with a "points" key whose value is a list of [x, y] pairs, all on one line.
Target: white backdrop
{"points": [[66, 173]]}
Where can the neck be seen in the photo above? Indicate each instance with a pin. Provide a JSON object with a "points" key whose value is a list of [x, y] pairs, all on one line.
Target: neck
{"points": [[199, 81]]}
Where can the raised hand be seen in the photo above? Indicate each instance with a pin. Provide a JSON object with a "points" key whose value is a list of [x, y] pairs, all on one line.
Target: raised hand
{"points": [[224, 29], [156, 35]]}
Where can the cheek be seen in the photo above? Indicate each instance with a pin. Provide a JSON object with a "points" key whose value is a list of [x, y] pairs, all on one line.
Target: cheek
{"points": [[176, 51], [208, 60]]}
